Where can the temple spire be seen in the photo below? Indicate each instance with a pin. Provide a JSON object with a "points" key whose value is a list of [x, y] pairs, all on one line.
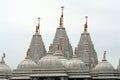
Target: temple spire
{"points": [[38, 26], [86, 26], [61, 18], [104, 56]]}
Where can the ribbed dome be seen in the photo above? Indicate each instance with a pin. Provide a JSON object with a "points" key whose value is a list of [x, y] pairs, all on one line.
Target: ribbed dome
{"points": [[76, 64], [61, 57], [64, 62], [27, 64], [50, 62], [104, 66], [4, 68]]}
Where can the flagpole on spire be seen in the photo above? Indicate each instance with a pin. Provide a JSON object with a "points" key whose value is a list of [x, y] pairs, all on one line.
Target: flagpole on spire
{"points": [[38, 26], [85, 26], [61, 18]]}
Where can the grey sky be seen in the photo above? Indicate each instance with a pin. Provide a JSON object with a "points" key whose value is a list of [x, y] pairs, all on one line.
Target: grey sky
{"points": [[18, 19]]}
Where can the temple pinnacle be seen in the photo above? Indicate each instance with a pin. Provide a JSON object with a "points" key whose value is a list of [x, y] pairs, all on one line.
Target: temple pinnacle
{"points": [[38, 26], [61, 18], [85, 26]]}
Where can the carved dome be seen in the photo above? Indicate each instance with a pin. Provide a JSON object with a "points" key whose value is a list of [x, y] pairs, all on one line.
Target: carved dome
{"points": [[50, 62], [76, 64], [61, 57], [4, 68], [104, 66], [27, 64]]}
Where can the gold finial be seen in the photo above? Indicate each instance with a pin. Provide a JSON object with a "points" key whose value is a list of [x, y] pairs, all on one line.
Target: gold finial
{"points": [[38, 26], [104, 56], [61, 18], [85, 26]]}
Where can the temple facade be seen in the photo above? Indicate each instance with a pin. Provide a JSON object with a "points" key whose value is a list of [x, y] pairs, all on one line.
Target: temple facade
{"points": [[60, 62]]}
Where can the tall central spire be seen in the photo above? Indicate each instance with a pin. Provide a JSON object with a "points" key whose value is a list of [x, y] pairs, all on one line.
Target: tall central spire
{"points": [[61, 18], [61, 33], [38, 26]]}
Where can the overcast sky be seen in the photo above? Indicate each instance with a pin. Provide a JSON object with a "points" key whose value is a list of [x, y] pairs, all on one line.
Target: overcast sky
{"points": [[18, 19]]}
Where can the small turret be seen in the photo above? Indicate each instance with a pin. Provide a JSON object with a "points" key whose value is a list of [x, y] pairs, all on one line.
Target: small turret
{"points": [[104, 66], [4, 68]]}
